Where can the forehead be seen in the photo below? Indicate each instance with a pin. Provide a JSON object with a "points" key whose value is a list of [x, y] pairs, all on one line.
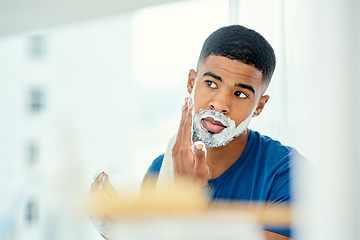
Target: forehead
{"points": [[230, 70]]}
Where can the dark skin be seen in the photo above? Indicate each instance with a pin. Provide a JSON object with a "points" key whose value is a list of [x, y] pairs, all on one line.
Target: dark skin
{"points": [[232, 88], [227, 86], [224, 96]]}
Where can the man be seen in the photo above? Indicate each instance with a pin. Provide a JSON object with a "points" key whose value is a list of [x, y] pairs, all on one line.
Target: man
{"points": [[213, 145], [227, 90]]}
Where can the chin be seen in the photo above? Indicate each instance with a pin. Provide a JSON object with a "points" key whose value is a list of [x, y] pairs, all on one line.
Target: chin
{"points": [[212, 140]]}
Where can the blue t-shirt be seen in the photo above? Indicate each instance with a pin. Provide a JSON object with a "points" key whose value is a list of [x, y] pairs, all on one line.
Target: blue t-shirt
{"points": [[262, 173]]}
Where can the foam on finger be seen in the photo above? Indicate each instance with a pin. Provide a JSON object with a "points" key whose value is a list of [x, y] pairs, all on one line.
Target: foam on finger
{"points": [[197, 144]]}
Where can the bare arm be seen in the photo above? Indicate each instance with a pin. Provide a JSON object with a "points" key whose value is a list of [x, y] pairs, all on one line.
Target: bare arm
{"points": [[274, 236]]}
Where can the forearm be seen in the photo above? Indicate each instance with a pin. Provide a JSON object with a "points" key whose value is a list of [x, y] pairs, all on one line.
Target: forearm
{"points": [[274, 236]]}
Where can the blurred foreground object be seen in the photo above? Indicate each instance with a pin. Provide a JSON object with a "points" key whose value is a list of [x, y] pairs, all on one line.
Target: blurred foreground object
{"points": [[181, 213]]}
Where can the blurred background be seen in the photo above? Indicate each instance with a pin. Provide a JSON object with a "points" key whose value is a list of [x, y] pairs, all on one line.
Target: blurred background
{"points": [[91, 86]]}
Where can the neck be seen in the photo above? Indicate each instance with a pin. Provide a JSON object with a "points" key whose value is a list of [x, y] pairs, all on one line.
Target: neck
{"points": [[221, 158]]}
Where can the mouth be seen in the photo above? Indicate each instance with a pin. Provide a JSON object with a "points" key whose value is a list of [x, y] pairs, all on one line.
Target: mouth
{"points": [[212, 125]]}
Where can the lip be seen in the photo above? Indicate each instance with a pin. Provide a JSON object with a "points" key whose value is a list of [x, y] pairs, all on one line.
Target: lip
{"points": [[212, 125]]}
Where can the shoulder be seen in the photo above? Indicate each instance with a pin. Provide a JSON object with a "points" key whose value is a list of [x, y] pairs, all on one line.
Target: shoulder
{"points": [[271, 151], [153, 171], [264, 143], [154, 168], [274, 164]]}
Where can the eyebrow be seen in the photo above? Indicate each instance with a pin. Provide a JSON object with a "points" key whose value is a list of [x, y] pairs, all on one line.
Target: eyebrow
{"points": [[241, 85], [213, 76], [246, 87]]}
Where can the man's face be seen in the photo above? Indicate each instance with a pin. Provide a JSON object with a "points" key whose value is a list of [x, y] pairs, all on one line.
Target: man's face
{"points": [[232, 91]]}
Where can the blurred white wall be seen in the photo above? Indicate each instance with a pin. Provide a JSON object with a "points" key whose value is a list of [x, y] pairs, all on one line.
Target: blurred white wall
{"points": [[323, 65], [63, 92]]}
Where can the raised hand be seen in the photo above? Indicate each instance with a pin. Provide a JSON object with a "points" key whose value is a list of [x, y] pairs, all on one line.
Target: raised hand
{"points": [[102, 188], [189, 159], [102, 185]]}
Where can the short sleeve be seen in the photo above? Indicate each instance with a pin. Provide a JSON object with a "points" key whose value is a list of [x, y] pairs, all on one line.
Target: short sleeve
{"points": [[154, 168]]}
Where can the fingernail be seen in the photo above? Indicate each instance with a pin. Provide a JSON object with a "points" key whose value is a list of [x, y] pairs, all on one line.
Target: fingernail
{"points": [[200, 145]]}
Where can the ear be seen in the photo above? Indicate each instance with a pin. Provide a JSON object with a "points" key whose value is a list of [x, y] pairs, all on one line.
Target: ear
{"points": [[261, 104], [191, 80]]}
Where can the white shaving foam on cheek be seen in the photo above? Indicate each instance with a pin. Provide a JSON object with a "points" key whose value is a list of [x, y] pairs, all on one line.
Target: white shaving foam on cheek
{"points": [[243, 125]]}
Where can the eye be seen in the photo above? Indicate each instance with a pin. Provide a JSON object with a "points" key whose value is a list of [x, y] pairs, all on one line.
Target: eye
{"points": [[210, 84], [240, 94]]}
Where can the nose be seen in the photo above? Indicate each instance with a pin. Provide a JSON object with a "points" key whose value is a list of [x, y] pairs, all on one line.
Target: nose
{"points": [[220, 104]]}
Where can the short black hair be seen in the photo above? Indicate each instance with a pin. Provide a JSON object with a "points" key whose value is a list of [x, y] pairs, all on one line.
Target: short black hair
{"points": [[237, 42]]}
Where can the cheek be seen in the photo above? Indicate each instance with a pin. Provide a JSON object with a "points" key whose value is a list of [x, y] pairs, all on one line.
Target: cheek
{"points": [[199, 98], [241, 117], [197, 109]]}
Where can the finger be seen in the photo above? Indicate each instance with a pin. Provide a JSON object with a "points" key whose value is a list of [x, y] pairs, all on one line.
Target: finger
{"points": [[186, 133], [100, 182], [199, 150], [96, 183], [184, 158], [105, 183], [201, 169], [105, 188], [182, 155], [176, 148], [182, 121], [176, 163]]}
